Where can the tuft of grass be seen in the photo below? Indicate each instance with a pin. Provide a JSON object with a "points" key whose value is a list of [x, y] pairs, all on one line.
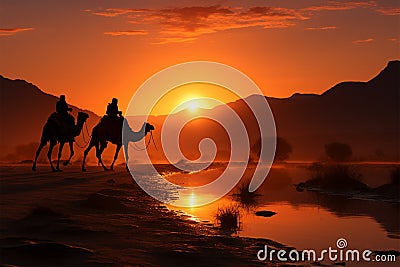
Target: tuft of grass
{"points": [[246, 199], [228, 218]]}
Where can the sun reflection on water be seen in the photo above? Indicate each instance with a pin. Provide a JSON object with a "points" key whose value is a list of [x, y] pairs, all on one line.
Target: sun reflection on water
{"points": [[192, 199]]}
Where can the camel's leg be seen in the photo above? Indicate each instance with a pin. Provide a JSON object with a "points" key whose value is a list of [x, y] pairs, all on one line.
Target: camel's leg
{"points": [[103, 145], [71, 153], [52, 144], [126, 156], [115, 156], [41, 145], [60, 149], [97, 147], [86, 152]]}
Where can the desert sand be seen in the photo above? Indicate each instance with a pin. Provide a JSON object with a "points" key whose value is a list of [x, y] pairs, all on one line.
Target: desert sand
{"points": [[102, 218]]}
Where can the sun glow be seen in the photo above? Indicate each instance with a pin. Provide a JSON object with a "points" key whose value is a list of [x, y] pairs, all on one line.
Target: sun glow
{"points": [[193, 106], [193, 97]]}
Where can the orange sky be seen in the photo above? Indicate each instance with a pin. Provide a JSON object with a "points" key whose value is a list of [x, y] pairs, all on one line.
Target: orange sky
{"points": [[95, 50], [193, 96]]}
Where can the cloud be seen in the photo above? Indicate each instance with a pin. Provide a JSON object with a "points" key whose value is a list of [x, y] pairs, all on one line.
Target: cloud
{"points": [[188, 23], [180, 24], [12, 31], [389, 11], [128, 32], [324, 28], [363, 41], [114, 12], [372, 5], [167, 40], [337, 6], [394, 39]]}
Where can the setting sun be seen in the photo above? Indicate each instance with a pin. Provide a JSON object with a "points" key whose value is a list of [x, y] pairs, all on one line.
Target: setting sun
{"points": [[193, 106], [192, 97]]}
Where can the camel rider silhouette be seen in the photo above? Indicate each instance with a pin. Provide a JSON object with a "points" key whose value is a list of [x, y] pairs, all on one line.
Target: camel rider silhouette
{"points": [[62, 109], [112, 109], [113, 118]]}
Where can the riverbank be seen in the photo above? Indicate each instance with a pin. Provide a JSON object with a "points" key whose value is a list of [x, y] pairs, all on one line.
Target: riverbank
{"points": [[104, 219]]}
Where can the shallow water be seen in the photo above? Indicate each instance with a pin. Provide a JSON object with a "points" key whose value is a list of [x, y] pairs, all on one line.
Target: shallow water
{"points": [[304, 220]]}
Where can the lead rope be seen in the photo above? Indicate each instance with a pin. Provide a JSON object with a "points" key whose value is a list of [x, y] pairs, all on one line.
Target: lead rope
{"points": [[152, 138], [84, 139], [137, 148], [87, 131]]}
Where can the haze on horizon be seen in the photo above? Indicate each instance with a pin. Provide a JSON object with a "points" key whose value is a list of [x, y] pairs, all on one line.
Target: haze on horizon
{"points": [[93, 51]]}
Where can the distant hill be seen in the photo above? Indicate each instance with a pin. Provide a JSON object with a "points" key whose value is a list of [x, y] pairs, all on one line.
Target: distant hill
{"points": [[363, 114], [24, 109]]}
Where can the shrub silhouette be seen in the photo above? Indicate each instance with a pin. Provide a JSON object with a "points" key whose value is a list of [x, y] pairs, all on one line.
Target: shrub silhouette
{"points": [[228, 218], [395, 176], [283, 149], [338, 151], [246, 199], [336, 178]]}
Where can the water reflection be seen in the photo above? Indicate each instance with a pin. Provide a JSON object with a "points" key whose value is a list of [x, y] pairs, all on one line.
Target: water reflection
{"points": [[247, 200], [190, 199], [305, 218]]}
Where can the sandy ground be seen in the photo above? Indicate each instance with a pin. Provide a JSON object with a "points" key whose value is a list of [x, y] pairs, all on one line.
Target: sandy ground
{"points": [[104, 219]]}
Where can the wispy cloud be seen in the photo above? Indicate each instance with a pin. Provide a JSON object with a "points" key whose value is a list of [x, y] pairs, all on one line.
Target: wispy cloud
{"points": [[12, 31], [324, 28], [363, 41], [188, 23], [128, 32], [114, 12], [394, 39], [191, 22], [182, 24], [389, 11], [337, 6], [166, 40]]}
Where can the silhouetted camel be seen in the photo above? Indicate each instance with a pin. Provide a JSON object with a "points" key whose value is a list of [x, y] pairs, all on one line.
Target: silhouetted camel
{"points": [[110, 129], [53, 132]]}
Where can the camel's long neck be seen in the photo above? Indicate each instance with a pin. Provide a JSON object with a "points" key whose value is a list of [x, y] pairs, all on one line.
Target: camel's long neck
{"points": [[78, 127], [133, 136]]}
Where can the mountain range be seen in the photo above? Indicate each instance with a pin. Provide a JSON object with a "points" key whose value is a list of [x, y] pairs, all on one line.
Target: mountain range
{"points": [[364, 115], [24, 109]]}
